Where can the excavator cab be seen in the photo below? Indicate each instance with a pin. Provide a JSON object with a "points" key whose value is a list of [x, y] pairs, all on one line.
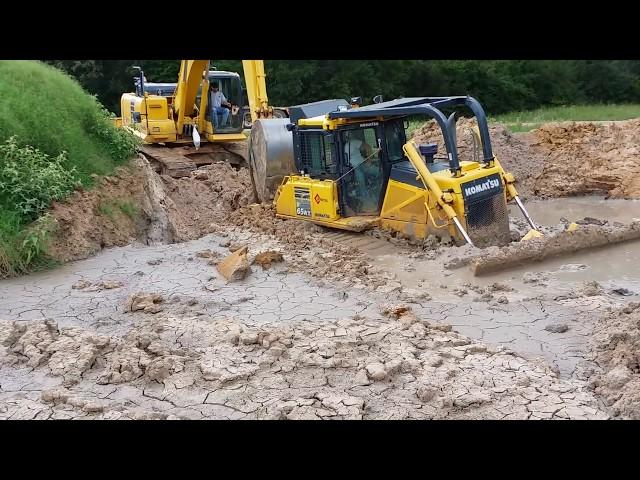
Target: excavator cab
{"points": [[231, 87]]}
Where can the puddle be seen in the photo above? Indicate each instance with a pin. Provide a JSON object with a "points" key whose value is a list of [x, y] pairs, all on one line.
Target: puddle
{"points": [[613, 267], [549, 212]]}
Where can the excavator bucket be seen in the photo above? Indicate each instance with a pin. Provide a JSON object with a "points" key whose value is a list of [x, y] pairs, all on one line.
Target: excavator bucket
{"points": [[236, 266]]}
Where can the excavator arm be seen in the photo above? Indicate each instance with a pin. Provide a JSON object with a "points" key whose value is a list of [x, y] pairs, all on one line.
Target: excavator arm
{"points": [[191, 77], [189, 81], [254, 78]]}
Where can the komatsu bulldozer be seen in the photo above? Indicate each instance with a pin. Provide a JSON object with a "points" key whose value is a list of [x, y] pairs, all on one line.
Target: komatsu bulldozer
{"points": [[352, 168]]}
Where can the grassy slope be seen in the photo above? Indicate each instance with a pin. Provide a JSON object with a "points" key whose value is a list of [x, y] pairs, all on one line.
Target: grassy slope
{"points": [[47, 109]]}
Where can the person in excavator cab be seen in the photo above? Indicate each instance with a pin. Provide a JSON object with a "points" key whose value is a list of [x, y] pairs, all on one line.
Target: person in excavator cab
{"points": [[365, 162], [217, 101]]}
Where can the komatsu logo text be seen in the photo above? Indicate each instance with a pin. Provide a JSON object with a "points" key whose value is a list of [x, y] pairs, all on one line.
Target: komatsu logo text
{"points": [[489, 184]]}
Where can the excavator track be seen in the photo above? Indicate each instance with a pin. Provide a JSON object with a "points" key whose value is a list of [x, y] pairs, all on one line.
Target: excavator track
{"points": [[180, 161]]}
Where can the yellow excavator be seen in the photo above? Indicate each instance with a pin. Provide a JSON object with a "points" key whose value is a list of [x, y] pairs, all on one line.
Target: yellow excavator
{"points": [[181, 122]]}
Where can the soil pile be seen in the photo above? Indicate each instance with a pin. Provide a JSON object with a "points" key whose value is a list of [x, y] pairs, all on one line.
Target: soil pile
{"points": [[559, 159], [615, 348], [587, 158]]}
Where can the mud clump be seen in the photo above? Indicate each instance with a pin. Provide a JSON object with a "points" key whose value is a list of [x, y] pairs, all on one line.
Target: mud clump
{"points": [[235, 267], [147, 302], [557, 327], [395, 311], [614, 347], [87, 286], [212, 257], [591, 289], [266, 259]]}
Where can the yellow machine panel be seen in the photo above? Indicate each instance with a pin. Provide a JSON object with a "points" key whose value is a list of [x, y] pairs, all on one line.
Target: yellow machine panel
{"points": [[410, 209], [471, 171], [307, 198], [148, 116]]}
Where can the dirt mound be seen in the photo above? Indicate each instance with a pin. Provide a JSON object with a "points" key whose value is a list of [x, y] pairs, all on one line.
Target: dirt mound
{"points": [[559, 159], [586, 158], [308, 250], [210, 194], [615, 347], [516, 152]]}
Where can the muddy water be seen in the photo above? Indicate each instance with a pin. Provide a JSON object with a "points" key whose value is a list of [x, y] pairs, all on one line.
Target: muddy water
{"points": [[549, 212], [555, 286], [613, 267]]}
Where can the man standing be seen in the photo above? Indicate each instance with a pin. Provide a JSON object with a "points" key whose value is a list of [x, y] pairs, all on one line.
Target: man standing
{"points": [[216, 100]]}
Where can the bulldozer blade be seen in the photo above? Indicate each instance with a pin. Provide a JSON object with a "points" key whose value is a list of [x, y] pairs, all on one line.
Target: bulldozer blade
{"points": [[564, 243]]}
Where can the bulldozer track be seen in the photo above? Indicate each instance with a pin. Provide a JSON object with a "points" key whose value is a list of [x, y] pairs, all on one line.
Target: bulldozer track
{"points": [[368, 245]]}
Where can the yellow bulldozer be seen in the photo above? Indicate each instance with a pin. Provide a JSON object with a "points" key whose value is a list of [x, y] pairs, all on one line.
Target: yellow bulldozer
{"points": [[353, 168]]}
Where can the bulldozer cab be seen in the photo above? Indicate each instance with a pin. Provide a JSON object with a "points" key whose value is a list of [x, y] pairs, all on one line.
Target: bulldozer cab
{"points": [[360, 157], [357, 157], [364, 168]]}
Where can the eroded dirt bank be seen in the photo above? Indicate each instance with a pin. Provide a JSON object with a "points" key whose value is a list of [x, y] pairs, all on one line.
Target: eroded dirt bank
{"points": [[561, 159], [161, 209]]}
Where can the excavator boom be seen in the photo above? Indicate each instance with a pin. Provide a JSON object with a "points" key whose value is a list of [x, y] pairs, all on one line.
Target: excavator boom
{"points": [[189, 80], [254, 78]]}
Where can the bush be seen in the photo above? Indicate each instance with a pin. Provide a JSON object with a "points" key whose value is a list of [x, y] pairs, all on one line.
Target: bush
{"points": [[23, 249], [30, 180], [120, 144]]}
